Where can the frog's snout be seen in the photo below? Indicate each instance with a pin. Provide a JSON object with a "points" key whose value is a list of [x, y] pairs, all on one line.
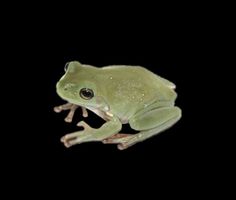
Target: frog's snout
{"points": [[66, 89]]}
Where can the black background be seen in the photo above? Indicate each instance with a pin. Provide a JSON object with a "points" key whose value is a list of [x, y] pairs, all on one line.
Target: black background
{"points": [[174, 46]]}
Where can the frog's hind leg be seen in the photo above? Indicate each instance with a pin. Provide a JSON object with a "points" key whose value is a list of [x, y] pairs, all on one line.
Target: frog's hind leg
{"points": [[117, 138], [163, 119]]}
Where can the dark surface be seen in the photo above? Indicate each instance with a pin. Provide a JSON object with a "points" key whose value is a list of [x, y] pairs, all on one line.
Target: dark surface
{"points": [[175, 50]]}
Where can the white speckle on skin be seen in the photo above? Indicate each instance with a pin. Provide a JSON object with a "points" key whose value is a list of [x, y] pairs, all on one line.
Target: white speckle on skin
{"points": [[111, 77], [106, 108], [143, 95]]}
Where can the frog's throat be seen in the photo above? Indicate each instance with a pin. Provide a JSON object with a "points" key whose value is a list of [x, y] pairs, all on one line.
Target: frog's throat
{"points": [[102, 104]]}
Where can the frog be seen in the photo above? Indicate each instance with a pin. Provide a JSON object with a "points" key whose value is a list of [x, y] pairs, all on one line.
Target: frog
{"points": [[119, 94]]}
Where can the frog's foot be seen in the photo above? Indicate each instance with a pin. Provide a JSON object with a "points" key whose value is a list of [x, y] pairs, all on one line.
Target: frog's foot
{"points": [[60, 108], [72, 108], [133, 139], [117, 138], [123, 140], [79, 136], [125, 144]]}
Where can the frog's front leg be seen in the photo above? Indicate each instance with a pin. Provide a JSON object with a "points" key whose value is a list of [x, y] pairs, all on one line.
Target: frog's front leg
{"points": [[149, 123], [72, 108], [90, 134]]}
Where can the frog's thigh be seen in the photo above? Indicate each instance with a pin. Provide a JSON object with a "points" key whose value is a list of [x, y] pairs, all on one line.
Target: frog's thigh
{"points": [[154, 118], [151, 123]]}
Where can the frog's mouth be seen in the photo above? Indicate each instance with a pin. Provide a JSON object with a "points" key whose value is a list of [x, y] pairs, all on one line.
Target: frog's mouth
{"points": [[68, 99], [78, 104], [71, 101]]}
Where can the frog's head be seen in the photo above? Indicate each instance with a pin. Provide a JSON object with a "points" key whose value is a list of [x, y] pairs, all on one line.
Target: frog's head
{"points": [[78, 86]]}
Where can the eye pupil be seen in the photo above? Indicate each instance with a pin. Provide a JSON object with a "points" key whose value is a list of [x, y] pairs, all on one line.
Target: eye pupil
{"points": [[86, 93]]}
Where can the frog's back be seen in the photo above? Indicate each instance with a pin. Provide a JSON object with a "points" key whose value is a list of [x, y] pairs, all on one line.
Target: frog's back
{"points": [[138, 78], [132, 72], [137, 72]]}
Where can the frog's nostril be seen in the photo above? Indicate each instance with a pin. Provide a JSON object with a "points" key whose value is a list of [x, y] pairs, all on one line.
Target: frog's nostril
{"points": [[68, 86]]}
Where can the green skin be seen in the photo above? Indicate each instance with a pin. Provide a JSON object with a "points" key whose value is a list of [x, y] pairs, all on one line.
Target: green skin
{"points": [[121, 95]]}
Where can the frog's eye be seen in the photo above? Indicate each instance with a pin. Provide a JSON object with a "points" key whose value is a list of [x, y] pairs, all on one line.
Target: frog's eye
{"points": [[66, 66], [86, 93]]}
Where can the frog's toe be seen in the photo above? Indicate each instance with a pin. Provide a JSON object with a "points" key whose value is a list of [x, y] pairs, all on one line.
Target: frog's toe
{"points": [[130, 141], [124, 145], [84, 125]]}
